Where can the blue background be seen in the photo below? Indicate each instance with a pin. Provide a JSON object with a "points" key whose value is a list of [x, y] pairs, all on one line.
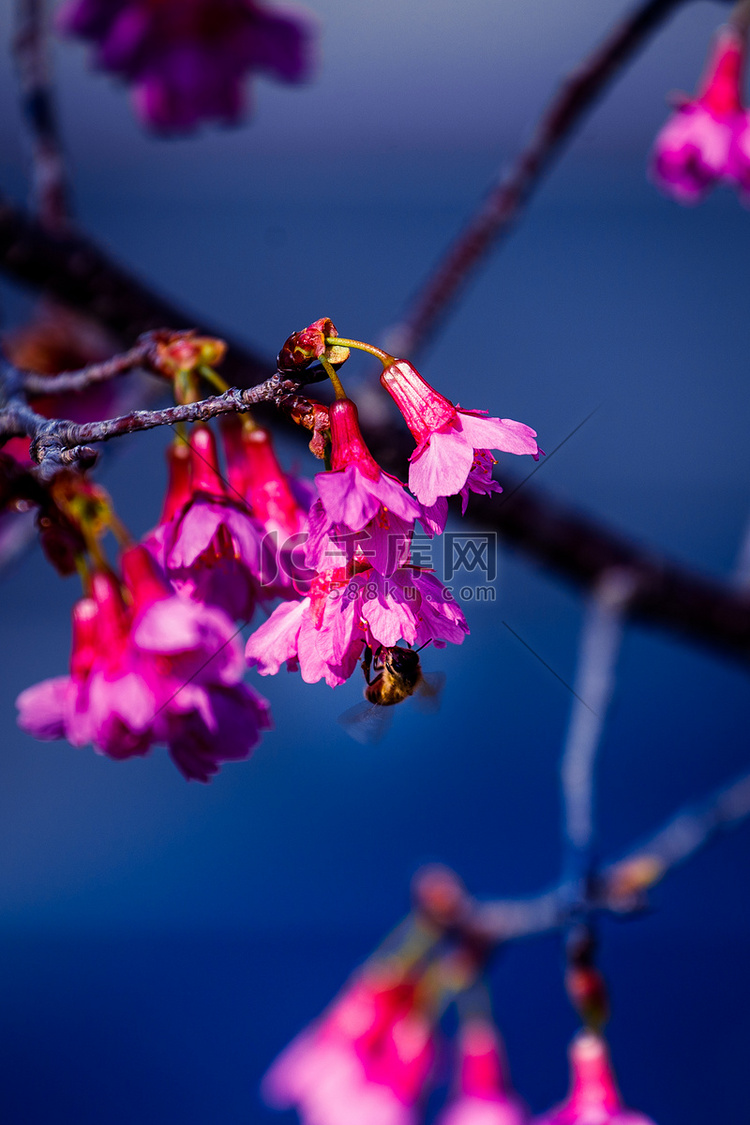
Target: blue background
{"points": [[162, 941]]}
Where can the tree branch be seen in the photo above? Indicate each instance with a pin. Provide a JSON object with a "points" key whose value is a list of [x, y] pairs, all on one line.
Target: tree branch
{"points": [[49, 181], [505, 202], [618, 888], [69, 382], [73, 269]]}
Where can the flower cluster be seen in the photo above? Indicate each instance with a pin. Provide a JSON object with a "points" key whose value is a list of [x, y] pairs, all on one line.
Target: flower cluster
{"points": [[707, 140], [366, 594], [155, 652], [372, 1057], [187, 59], [148, 666]]}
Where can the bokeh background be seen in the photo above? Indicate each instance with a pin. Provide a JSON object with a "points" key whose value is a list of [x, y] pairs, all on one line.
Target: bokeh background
{"points": [[161, 941]]}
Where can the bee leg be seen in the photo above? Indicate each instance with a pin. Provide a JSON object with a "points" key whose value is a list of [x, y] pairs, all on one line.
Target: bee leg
{"points": [[367, 663]]}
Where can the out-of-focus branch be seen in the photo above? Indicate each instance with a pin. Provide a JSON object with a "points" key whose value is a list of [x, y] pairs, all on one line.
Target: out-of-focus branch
{"points": [[68, 382], [595, 679], [73, 269], [49, 181], [581, 549], [617, 888], [505, 202]]}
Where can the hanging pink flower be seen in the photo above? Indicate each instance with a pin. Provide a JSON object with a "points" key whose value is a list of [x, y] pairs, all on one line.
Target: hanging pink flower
{"points": [[594, 1098], [279, 501], [453, 445], [484, 1097], [363, 512], [211, 547], [367, 1060], [159, 669], [323, 635], [187, 59], [706, 140]]}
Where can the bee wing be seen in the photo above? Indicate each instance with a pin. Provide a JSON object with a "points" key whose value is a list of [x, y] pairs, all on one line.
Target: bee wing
{"points": [[429, 693], [366, 722]]}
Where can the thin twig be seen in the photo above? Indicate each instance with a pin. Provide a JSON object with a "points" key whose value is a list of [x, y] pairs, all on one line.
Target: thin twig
{"points": [[77, 272], [505, 202], [57, 443], [595, 679], [617, 888], [49, 182], [68, 382]]}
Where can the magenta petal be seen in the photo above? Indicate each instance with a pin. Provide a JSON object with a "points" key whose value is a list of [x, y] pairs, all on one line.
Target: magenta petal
{"points": [[439, 616], [395, 498], [691, 152], [238, 716], [125, 38], [440, 467], [434, 517], [392, 613], [275, 641], [121, 712], [281, 44], [193, 532], [313, 665], [340, 628], [42, 708], [484, 1111], [498, 433], [170, 625], [385, 542], [348, 497]]}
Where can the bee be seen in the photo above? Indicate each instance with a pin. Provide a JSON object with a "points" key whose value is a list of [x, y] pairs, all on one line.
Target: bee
{"points": [[392, 675], [398, 675]]}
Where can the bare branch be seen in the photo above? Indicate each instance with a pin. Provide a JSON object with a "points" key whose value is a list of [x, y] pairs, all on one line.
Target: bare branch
{"points": [[617, 888], [600, 644], [58, 444], [71, 381], [49, 182], [502, 208], [77, 272]]}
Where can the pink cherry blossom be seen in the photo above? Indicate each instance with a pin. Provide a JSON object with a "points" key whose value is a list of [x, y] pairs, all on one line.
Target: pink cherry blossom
{"points": [[452, 444], [594, 1098], [366, 1060], [323, 635], [211, 548], [484, 1097], [159, 669], [279, 501], [187, 58], [706, 139], [363, 511]]}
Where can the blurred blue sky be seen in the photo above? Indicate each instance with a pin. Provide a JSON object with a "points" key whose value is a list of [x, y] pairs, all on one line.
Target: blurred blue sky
{"points": [[162, 940]]}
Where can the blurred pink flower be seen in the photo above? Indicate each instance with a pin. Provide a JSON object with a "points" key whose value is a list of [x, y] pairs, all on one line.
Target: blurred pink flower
{"points": [[453, 445], [158, 670], [210, 546], [187, 58], [366, 1061], [484, 1096], [706, 140], [279, 501], [594, 1098]]}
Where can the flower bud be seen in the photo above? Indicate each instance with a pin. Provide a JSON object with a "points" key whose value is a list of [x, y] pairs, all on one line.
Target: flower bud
{"points": [[302, 348], [179, 352]]}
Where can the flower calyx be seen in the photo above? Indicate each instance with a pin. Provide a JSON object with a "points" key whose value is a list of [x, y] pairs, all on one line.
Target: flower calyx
{"points": [[305, 347]]}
